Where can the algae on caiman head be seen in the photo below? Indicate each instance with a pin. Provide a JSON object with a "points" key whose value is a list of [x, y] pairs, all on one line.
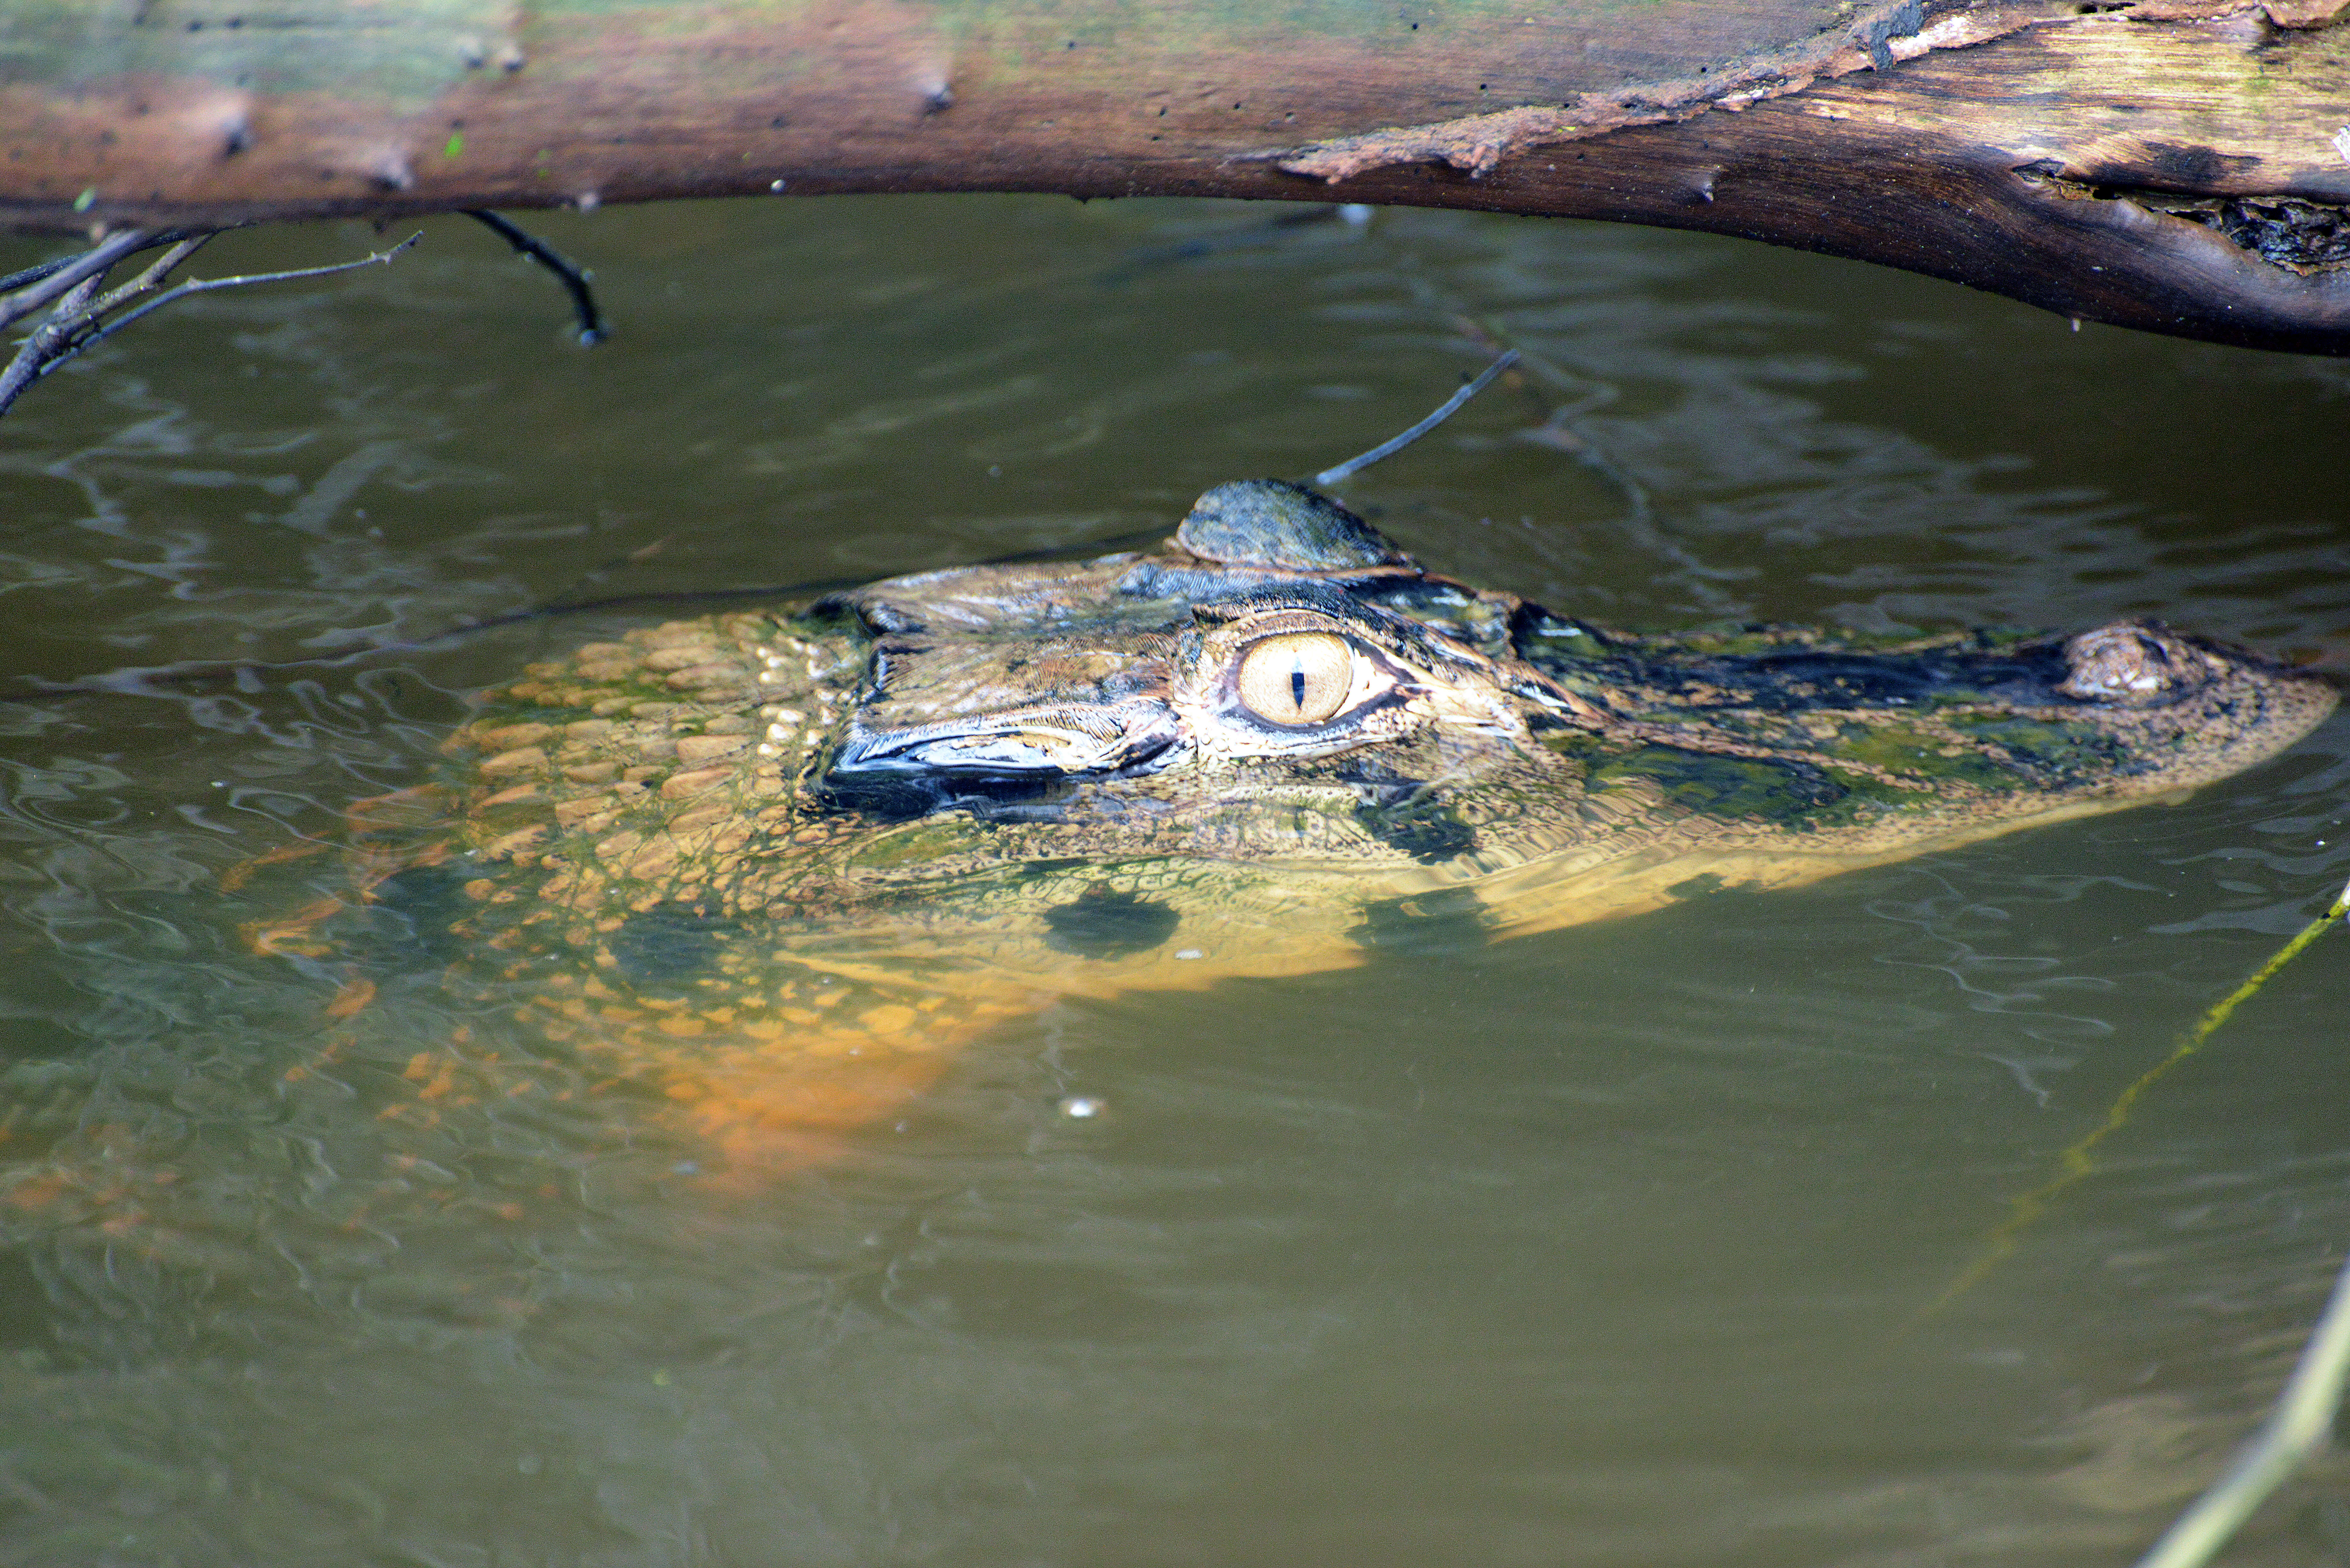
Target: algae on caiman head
{"points": [[781, 857]]}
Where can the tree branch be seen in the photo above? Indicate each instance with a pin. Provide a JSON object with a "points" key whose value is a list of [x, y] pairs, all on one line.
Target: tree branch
{"points": [[49, 269], [79, 319], [59, 279]]}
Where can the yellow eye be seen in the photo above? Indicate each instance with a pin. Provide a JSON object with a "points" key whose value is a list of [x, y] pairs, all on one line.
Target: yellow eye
{"points": [[1300, 678]]}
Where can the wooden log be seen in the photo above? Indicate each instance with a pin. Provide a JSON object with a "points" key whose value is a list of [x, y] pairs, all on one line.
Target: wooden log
{"points": [[2182, 165]]}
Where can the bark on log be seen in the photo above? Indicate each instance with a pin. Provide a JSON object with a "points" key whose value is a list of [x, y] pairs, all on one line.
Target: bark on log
{"points": [[2181, 165]]}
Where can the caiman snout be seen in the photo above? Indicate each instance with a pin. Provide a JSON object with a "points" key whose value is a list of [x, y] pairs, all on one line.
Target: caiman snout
{"points": [[2137, 664]]}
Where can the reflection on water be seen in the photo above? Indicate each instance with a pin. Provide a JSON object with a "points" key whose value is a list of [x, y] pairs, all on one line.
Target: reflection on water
{"points": [[1593, 1247]]}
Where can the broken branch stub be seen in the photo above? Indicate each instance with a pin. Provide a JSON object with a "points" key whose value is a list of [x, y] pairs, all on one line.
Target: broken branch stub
{"points": [[2170, 165]]}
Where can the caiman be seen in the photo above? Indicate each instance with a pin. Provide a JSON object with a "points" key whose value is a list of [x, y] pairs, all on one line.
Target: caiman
{"points": [[778, 863]]}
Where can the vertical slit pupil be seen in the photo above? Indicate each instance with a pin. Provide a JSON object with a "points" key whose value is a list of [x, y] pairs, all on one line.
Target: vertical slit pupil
{"points": [[1298, 687]]}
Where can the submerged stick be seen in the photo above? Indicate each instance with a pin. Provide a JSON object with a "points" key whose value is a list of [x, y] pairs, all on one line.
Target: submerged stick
{"points": [[2301, 1423], [2074, 1165], [2304, 1418], [1388, 447]]}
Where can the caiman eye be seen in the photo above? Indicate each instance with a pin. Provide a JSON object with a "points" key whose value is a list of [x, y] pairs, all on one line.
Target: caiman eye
{"points": [[1298, 677]]}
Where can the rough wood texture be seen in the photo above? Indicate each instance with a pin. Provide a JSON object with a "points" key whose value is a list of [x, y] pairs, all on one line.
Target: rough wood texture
{"points": [[2182, 165]]}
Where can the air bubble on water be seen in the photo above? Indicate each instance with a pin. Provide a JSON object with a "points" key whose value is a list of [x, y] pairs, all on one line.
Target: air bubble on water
{"points": [[1081, 1107]]}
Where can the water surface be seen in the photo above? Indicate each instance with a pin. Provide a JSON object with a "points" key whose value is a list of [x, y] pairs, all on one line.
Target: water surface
{"points": [[1606, 1246]]}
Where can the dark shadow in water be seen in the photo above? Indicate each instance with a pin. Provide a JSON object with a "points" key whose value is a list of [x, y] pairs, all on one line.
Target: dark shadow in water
{"points": [[663, 950], [1099, 923], [411, 920], [1426, 924]]}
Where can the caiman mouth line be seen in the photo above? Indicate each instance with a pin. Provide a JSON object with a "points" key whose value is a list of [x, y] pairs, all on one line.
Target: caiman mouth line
{"points": [[995, 762]]}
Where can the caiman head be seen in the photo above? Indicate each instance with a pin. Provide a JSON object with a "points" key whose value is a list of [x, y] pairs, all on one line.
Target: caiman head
{"points": [[968, 789], [1284, 689]]}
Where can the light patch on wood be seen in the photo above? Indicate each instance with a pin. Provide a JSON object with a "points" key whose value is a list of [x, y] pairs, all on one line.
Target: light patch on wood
{"points": [[1875, 38]]}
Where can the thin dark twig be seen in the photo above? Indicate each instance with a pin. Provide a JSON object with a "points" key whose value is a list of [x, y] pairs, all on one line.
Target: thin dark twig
{"points": [[155, 241], [1388, 447], [1558, 432], [207, 284], [96, 260], [575, 277], [145, 284], [16, 280]]}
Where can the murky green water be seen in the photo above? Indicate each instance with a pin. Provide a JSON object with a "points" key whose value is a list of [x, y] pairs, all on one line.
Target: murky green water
{"points": [[1600, 1247]]}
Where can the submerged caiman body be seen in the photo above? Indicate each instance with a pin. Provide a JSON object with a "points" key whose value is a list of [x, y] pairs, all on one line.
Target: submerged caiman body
{"points": [[778, 860]]}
